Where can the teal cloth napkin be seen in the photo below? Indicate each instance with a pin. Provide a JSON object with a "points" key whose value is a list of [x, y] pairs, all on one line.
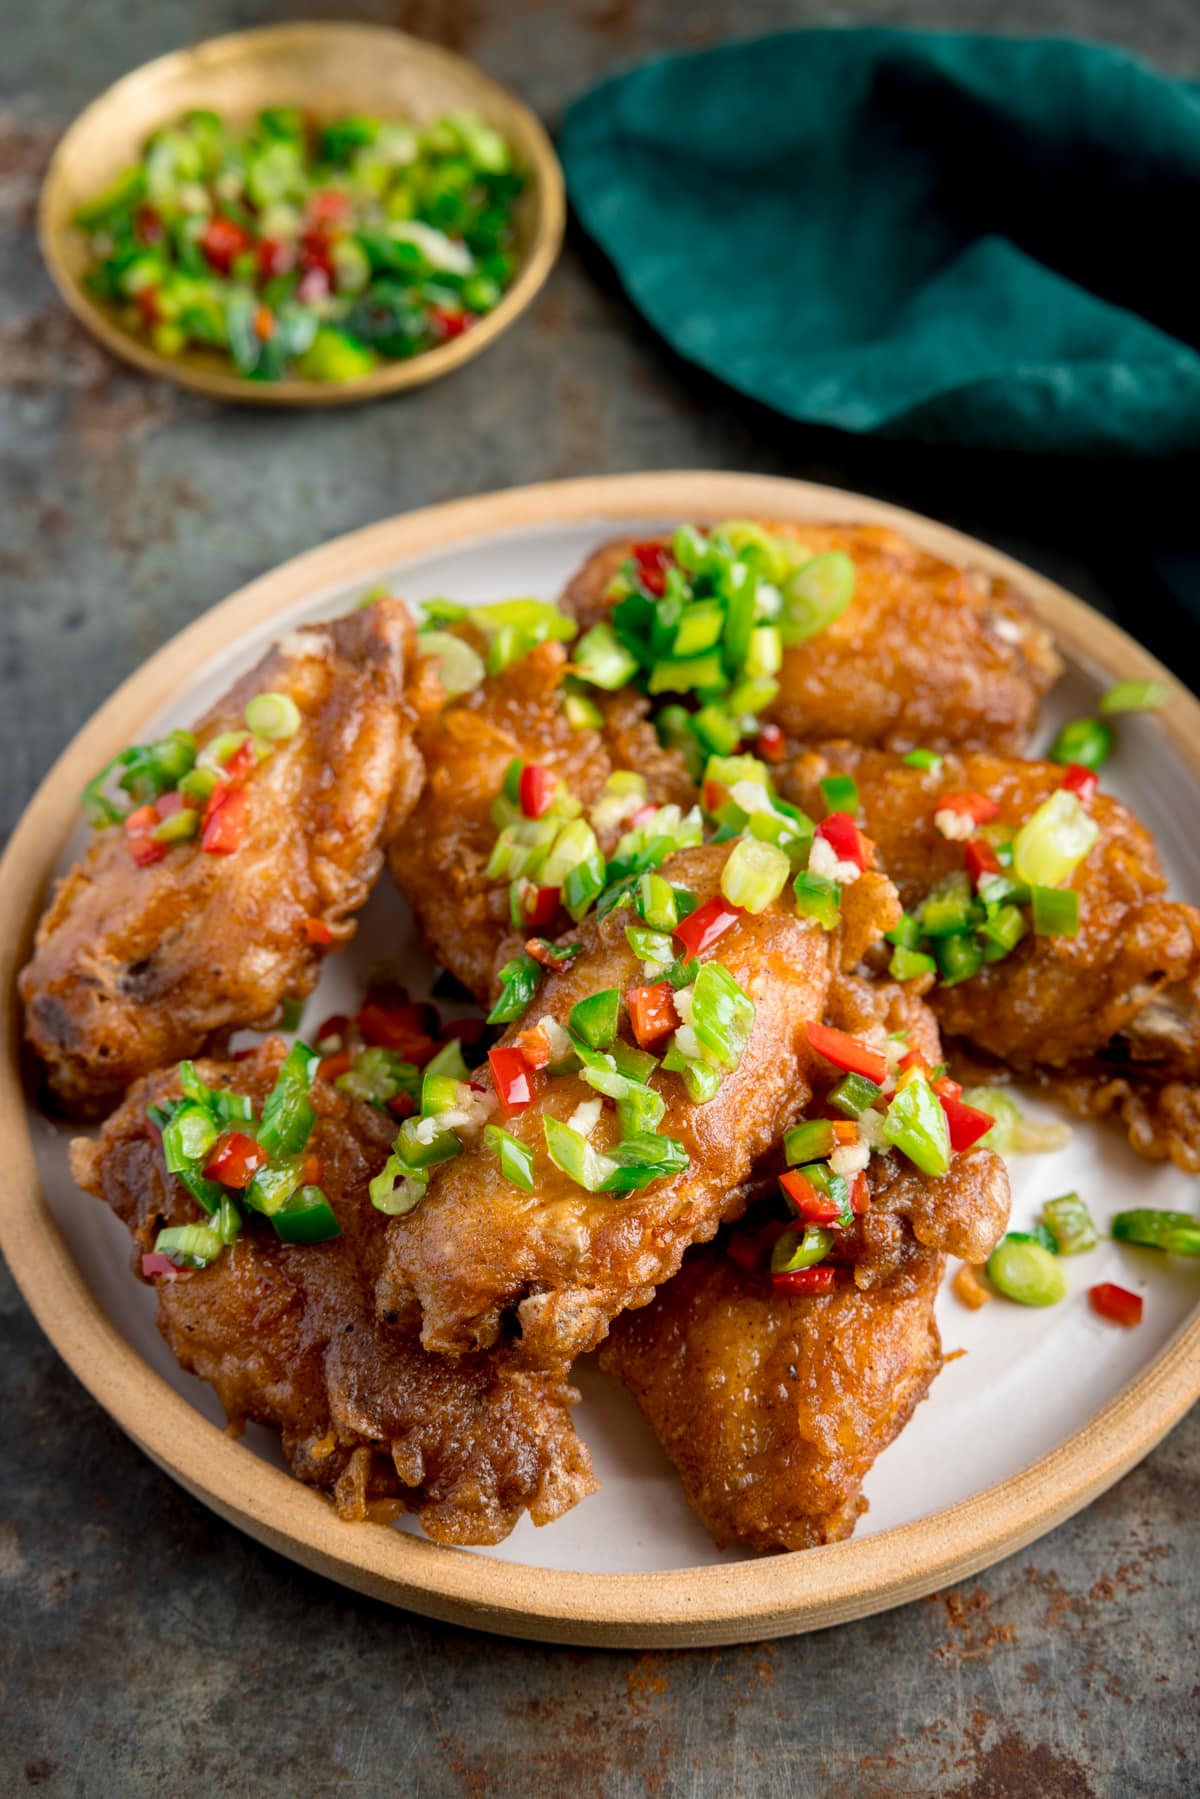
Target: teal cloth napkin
{"points": [[955, 238]]}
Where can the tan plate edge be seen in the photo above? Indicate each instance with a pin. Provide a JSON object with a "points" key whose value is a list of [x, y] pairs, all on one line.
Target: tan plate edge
{"points": [[394, 377], [729, 1603]]}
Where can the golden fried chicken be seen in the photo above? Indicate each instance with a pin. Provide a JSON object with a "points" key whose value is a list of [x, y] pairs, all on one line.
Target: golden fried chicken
{"points": [[926, 653], [773, 1406], [566, 1260], [439, 858], [1125, 990], [288, 1337], [136, 966]]}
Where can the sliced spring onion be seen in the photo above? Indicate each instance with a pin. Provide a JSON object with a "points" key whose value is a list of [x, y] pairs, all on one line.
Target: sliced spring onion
{"points": [[397, 1189], [193, 1245], [1053, 842], [655, 901], [818, 898], [378, 1075], [854, 1095], [516, 1158], [288, 1117], [722, 1016], [1055, 912], [583, 885], [946, 909], [928, 760], [581, 713], [1176, 1232], [570, 1150], [177, 827], [273, 716], [809, 1142], [1013, 1134], [599, 658], [643, 1158], [1070, 1224], [1024, 1270], [460, 668], [915, 1124], [419, 1148], [958, 958], [187, 1139], [1084, 740], [654, 947], [701, 1080], [755, 874], [519, 981], [908, 964], [817, 594], [1135, 696]]}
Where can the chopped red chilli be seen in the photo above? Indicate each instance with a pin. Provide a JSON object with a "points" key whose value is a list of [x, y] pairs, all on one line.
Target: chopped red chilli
{"points": [[808, 1201], [845, 839], [516, 1082], [706, 925], [848, 1052], [1117, 1304], [806, 1280], [1083, 782], [537, 788], [981, 859]]}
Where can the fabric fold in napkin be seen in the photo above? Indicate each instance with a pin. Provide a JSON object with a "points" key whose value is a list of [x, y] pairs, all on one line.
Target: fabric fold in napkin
{"points": [[954, 238]]}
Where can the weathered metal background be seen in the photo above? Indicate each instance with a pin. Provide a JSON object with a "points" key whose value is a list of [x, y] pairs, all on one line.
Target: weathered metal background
{"points": [[146, 1649]]}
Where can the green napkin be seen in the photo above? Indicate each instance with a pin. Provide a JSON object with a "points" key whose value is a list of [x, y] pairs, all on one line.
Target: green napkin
{"points": [[956, 238]]}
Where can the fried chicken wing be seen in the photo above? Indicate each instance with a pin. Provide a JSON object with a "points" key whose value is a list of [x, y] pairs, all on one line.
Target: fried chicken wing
{"points": [[926, 653], [288, 1337], [137, 966], [565, 1260], [1114, 1011], [439, 858], [773, 1406]]}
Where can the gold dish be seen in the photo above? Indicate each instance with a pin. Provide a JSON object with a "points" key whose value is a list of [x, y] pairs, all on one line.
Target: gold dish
{"points": [[327, 69]]}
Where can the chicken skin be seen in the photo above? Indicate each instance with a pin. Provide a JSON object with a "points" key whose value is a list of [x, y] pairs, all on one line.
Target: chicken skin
{"points": [[773, 1406], [1112, 1015], [439, 859], [926, 653], [287, 1336], [137, 966], [567, 1260]]}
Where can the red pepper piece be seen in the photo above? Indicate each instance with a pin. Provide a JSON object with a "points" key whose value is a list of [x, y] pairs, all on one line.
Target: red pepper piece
{"points": [[327, 205], [546, 954], [149, 226], [225, 820], [402, 1105], [536, 789], [772, 744], [806, 1280], [157, 1263], [643, 815], [860, 1195], [142, 847], [222, 240], [312, 1171], [316, 257], [516, 1082], [845, 839], [336, 1025], [402, 1028], [913, 1058], [241, 763], [967, 1123], [945, 1088], [652, 1014], [847, 1052], [981, 859], [235, 1159], [467, 1030], [331, 1066], [275, 257], [653, 560], [146, 302], [534, 1045], [807, 1201], [713, 796], [264, 323], [448, 322], [1116, 1303], [974, 805], [539, 906], [702, 928], [1083, 782], [317, 931]]}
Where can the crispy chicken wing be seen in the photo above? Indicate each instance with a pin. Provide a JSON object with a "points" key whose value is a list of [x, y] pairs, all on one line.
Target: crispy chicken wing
{"points": [[137, 966], [440, 856], [773, 1406], [1125, 990], [566, 1260], [288, 1337], [926, 653]]}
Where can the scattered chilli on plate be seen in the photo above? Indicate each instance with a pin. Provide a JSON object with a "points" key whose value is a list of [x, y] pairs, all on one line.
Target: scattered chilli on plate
{"points": [[760, 908]]}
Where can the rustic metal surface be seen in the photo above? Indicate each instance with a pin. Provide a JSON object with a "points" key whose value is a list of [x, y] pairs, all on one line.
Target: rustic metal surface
{"points": [[148, 1650]]}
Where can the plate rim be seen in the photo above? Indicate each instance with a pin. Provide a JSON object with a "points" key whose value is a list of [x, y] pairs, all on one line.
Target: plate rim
{"points": [[390, 378], [722, 1603]]}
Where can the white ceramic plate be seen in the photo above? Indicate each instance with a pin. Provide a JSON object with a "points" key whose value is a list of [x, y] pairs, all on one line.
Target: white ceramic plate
{"points": [[1030, 1380]]}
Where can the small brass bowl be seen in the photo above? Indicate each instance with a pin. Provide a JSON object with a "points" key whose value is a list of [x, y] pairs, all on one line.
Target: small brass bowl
{"points": [[326, 69]]}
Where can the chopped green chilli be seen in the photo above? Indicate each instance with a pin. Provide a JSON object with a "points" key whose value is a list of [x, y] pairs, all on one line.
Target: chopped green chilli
{"points": [[1135, 696], [1070, 1224], [519, 981], [516, 1158], [291, 248], [1085, 741], [1023, 1269], [595, 1019], [1178, 1233]]}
